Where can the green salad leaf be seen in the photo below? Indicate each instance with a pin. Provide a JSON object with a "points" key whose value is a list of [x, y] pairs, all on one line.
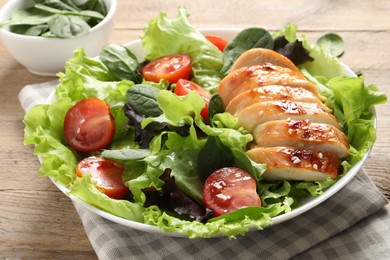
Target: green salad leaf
{"points": [[164, 36], [332, 43]]}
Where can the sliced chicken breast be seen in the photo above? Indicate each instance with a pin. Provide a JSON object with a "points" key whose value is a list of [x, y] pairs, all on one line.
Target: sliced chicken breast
{"points": [[247, 78], [262, 112], [301, 134], [295, 164], [259, 56], [272, 92]]}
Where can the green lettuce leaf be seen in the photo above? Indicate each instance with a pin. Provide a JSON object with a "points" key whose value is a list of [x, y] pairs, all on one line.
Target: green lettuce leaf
{"points": [[164, 36], [86, 190]]}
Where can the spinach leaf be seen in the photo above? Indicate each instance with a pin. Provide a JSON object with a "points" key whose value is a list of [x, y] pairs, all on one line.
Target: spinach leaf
{"points": [[213, 156], [30, 16], [142, 99], [85, 13], [63, 26], [245, 40], [32, 30], [121, 62], [215, 106], [332, 43], [61, 5], [95, 5], [56, 18]]}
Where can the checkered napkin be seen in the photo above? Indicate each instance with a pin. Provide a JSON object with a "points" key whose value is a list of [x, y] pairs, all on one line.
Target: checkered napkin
{"points": [[352, 224]]}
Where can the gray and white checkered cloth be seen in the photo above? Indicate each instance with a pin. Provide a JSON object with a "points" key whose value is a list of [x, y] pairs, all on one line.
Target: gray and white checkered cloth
{"points": [[352, 224]]}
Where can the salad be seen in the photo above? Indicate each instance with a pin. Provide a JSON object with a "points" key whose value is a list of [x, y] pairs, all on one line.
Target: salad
{"points": [[157, 139]]}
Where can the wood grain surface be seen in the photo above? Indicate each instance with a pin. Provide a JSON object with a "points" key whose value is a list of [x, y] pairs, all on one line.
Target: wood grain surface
{"points": [[38, 222]]}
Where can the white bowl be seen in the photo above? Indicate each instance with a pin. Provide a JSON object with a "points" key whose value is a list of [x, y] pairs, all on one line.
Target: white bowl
{"points": [[47, 56], [309, 203]]}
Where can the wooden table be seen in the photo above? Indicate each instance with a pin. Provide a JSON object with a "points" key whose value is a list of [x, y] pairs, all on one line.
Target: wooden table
{"points": [[38, 221]]}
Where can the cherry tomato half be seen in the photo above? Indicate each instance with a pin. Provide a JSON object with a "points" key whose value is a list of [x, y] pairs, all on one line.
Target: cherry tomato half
{"points": [[229, 189], [89, 125], [106, 173], [183, 87], [171, 68], [219, 42]]}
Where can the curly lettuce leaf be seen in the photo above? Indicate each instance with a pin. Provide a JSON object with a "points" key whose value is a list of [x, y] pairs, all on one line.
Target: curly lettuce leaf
{"points": [[164, 36], [230, 225], [86, 190]]}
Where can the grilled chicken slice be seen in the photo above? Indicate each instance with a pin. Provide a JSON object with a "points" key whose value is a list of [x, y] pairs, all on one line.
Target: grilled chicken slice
{"points": [[259, 56], [295, 164], [262, 112], [272, 92], [247, 78], [302, 134]]}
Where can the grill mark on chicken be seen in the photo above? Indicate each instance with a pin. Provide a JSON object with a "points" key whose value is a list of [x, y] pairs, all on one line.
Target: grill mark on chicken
{"points": [[259, 56], [301, 134], [247, 78], [285, 163], [263, 112], [270, 93]]}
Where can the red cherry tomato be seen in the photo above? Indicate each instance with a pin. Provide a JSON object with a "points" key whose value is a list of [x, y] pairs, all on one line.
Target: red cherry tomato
{"points": [[219, 42], [89, 125], [183, 87], [106, 173], [171, 68], [229, 189]]}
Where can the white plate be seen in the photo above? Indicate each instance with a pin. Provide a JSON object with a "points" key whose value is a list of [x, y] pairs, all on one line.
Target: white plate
{"points": [[228, 34]]}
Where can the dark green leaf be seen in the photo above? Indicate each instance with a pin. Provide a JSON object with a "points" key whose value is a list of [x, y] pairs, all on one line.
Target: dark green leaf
{"points": [[121, 62], [60, 5], [143, 100], [68, 26], [215, 106], [332, 43], [29, 16], [245, 40], [213, 156], [126, 154], [95, 5], [32, 30], [84, 13]]}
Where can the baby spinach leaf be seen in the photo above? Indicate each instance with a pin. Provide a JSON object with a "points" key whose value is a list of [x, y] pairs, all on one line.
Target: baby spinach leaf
{"points": [[32, 30], [85, 13], [95, 5], [213, 156], [142, 99], [30, 16], [245, 40], [64, 19], [67, 5], [121, 62], [215, 106], [64, 26], [332, 43]]}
